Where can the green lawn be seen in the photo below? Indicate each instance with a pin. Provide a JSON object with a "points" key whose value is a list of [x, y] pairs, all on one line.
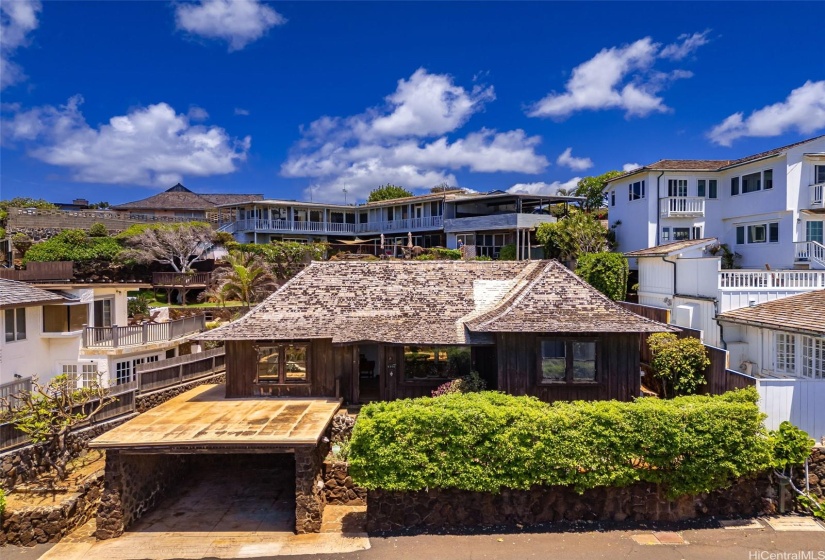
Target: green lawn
{"points": [[160, 301]]}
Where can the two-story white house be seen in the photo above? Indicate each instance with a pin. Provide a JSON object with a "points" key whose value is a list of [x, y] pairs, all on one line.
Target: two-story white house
{"points": [[81, 330], [483, 221], [767, 208]]}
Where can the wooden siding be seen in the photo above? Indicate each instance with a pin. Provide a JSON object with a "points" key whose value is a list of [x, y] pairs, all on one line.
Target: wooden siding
{"points": [[617, 368]]}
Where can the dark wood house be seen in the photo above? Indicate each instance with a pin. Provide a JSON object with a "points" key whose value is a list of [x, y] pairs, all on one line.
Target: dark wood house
{"points": [[366, 331]]}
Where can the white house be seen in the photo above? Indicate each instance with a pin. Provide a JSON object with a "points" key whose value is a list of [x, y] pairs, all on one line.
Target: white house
{"points": [[81, 330], [767, 208]]}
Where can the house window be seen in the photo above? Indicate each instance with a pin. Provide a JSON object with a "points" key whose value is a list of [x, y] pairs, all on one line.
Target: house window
{"points": [[677, 187], [734, 186], [636, 190], [819, 174], [282, 363], [813, 357], [814, 231], [436, 362], [567, 361], [701, 188], [768, 177], [83, 375], [758, 233], [435, 208], [15, 324], [666, 234], [103, 313], [752, 182], [785, 353], [123, 372], [613, 198], [681, 233], [64, 318], [696, 232], [706, 187]]}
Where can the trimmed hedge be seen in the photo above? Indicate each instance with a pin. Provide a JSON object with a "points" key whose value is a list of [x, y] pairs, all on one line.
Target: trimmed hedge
{"points": [[74, 245], [490, 441]]}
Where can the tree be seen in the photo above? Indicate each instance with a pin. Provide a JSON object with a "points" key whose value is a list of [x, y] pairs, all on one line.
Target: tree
{"points": [[592, 190], [562, 191], [48, 413], [573, 236], [75, 245], [607, 272], [679, 363], [178, 245], [444, 187], [388, 192], [285, 258], [246, 279], [22, 243]]}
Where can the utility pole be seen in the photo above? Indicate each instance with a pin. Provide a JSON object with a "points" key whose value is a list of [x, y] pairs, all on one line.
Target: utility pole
{"points": [[345, 195]]}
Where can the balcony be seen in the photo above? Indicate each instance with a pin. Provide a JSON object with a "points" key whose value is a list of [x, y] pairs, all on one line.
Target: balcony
{"points": [[782, 280], [181, 279], [135, 335], [286, 226], [816, 195], [682, 207]]}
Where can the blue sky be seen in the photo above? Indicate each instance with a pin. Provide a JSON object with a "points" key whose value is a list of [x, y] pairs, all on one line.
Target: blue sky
{"points": [[116, 101]]}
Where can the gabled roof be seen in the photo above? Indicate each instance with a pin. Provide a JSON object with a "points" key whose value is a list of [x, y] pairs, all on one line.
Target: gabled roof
{"points": [[800, 313], [709, 164], [421, 302], [672, 248], [20, 294], [181, 198]]}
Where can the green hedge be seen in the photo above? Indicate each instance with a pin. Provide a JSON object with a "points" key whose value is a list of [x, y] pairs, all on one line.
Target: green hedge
{"points": [[607, 272], [489, 441], [74, 245]]}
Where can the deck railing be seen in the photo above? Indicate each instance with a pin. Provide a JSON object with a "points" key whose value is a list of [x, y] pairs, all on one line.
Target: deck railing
{"points": [[409, 224], [817, 194], [181, 279], [41, 271], [809, 252], [802, 280], [682, 206], [166, 373], [115, 337], [8, 390]]}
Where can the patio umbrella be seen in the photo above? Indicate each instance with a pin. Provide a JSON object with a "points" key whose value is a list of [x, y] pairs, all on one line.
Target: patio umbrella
{"points": [[409, 240]]}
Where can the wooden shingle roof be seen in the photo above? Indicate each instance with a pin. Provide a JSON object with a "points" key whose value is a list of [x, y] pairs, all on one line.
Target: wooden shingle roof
{"points": [[20, 294], [181, 198], [670, 248], [801, 313], [426, 302]]}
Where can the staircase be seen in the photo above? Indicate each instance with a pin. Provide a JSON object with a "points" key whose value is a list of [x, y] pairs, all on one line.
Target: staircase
{"points": [[228, 227], [810, 253]]}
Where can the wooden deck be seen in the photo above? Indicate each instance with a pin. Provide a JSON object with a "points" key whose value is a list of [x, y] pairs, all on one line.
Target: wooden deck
{"points": [[203, 418]]}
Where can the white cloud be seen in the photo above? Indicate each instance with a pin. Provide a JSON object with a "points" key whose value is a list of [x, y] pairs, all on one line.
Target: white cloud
{"points": [[238, 22], [241, 112], [197, 113], [18, 18], [404, 142], [620, 78], [803, 110], [545, 188], [150, 146], [630, 167], [686, 44], [566, 159]]}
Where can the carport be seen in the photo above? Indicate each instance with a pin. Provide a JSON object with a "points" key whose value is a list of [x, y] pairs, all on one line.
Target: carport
{"points": [[151, 455]]}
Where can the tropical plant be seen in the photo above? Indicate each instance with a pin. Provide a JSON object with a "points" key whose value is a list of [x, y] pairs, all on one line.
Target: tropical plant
{"points": [[49, 412], [730, 259], [284, 258], [575, 235], [607, 272], [592, 190], [215, 293], [679, 363], [178, 245], [138, 304], [388, 192], [246, 278]]}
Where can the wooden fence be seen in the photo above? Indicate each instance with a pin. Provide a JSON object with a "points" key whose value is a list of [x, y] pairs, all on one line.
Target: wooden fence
{"points": [[113, 337], [182, 279], [40, 271], [175, 371], [151, 377]]}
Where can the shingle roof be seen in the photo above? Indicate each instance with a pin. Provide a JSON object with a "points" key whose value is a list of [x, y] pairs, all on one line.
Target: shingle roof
{"points": [[20, 294], [557, 301], [708, 164], [422, 302], [800, 313], [181, 198], [670, 248]]}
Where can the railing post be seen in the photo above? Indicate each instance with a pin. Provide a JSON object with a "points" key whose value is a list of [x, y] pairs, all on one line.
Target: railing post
{"points": [[115, 337], [145, 327], [85, 336]]}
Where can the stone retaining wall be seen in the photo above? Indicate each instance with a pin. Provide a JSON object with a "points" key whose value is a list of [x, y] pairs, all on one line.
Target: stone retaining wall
{"points": [[339, 489], [133, 485], [816, 473], [42, 524], [310, 498], [147, 401]]}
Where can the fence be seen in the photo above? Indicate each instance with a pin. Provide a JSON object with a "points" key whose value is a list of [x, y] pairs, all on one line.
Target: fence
{"points": [[151, 377], [181, 278], [113, 337], [159, 375], [40, 271], [796, 400]]}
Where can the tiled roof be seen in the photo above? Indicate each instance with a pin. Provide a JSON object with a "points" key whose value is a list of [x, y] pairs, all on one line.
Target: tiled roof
{"points": [[20, 294], [557, 301], [420, 302], [218, 199], [181, 198], [800, 313], [670, 248], [708, 164]]}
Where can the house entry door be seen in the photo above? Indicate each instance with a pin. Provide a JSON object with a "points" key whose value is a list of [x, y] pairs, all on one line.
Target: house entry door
{"points": [[814, 232]]}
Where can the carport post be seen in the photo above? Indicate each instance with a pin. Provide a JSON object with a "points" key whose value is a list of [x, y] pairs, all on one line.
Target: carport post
{"points": [[309, 486]]}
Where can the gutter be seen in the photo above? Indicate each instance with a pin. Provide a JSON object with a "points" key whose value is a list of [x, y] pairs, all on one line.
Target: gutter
{"points": [[675, 291], [658, 217]]}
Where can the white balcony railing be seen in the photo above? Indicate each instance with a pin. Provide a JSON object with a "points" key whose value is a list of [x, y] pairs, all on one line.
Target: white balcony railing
{"points": [[409, 224], [816, 194], [787, 280], [810, 252], [682, 206]]}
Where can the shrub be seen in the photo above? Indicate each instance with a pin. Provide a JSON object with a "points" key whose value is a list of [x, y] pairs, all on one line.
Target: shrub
{"points": [[680, 363], [222, 238], [467, 384], [138, 305], [439, 253], [489, 441], [483, 258], [570, 237], [425, 257], [2, 503], [607, 272], [75, 245], [507, 253], [340, 450], [98, 230], [791, 446], [22, 243]]}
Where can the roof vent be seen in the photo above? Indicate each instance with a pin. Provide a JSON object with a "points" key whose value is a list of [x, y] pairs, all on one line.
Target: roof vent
{"points": [[752, 303]]}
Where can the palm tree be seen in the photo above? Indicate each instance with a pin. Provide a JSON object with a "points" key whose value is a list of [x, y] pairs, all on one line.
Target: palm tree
{"points": [[247, 279]]}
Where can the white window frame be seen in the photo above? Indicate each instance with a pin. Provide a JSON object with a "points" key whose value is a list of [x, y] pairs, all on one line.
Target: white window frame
{"points": [[706, 187], [816, 174], [813, 358], [785, 353], [16, 312], [762, 185], [103, 301], [637, 193], [678, 186], [746, 239], [83, 373]]}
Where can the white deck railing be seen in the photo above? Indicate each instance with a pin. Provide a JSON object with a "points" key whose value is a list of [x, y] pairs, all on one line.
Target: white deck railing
{"points": [[816, 194], [673, 206], [409, 224], [790, 280], [810, 252]]}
